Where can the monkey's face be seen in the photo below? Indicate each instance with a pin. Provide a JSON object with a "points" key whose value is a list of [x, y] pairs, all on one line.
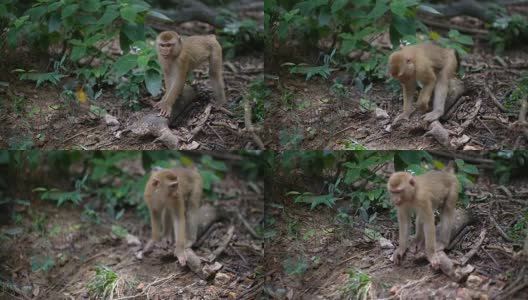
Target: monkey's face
{"points": [[169, 44], [165, 184], [401, 187], [401, 67]]}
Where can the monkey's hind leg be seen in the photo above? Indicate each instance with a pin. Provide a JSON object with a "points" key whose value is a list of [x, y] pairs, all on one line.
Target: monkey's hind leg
{"points": [[216, 77]]}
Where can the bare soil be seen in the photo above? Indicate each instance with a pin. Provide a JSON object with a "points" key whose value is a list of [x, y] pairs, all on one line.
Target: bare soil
{"points": [[39, 118], [308, 115], [77, 246], [331, 248]]}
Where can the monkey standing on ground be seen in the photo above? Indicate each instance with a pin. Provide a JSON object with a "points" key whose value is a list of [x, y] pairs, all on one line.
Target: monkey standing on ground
{"points": [[424, 194], [430, 64], [173, 198], [179, 56]]}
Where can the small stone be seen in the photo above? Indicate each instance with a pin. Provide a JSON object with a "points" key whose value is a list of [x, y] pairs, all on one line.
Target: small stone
{"points": [[385, 243], [381, 113], [221, 279]]}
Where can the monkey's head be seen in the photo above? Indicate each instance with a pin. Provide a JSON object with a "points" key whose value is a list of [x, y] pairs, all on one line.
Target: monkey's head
{"points": [[169, 44], [401, 66], [402, 187], [164, 183]]}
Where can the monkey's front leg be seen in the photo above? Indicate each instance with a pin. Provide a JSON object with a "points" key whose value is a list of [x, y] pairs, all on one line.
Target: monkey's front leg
{"points": [[179, 232], [155, 225], [408, 96], [430, 237], [403, 221], [176, 87], [440, 94]]}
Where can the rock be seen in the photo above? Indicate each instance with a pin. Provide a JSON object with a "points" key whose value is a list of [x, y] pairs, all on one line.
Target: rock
{"points": [[385, 243], [222, 279], [132, 240], [381, 113], [111, 120]]}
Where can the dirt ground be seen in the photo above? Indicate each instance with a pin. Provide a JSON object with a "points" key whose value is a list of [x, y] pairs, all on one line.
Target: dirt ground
{"points": [[42, 119], [78, 246], [330, 249], [308, 115]]}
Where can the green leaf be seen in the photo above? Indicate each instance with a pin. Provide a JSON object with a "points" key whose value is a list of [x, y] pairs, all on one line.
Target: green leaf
{"points": [[54, 23], [36, 12], [134, 32], [129, 13], [124, 64], [379, 9], [429, 9], [78, 52], [119, 231], [159, 15], [338, 4], [153, 82], [91, 5], [69, 10], [54, 6], [466, 168], [108, 17]]}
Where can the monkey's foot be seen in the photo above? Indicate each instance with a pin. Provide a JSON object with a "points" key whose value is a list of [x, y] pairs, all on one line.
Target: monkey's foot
{"points": [[182, 258], [400, 118], [433, 116], [164, 107], [398, 255]]}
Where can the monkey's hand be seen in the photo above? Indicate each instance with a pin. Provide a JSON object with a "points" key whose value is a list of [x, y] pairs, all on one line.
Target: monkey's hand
{"points": [[433, 116], [398, 255], [399, 118], [164, 107]]}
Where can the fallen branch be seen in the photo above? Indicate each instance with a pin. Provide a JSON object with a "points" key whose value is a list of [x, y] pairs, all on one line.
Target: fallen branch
{"points": [[247, 225], [438, 131], [230, 232], [486, 163], [471, 116], [494, 99], [201, 123], [474, 249]]}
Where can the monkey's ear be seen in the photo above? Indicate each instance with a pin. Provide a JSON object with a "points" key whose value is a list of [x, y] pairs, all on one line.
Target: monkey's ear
{"points": [[173, 184], [412, 181], [408, 60], [155, 182]]}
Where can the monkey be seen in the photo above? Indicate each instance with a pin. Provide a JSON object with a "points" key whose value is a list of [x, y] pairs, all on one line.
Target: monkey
{"points": [[179, 56], [437, 189], [430, 64], [173, 199]]}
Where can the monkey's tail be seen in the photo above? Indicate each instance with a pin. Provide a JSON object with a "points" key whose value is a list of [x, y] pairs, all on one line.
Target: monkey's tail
{"points": [[450, 167]]}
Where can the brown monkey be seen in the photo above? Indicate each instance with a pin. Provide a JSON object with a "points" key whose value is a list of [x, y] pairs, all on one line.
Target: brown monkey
{"points": [[430, 64], [424, 194], [173, 198], [180, 56]]}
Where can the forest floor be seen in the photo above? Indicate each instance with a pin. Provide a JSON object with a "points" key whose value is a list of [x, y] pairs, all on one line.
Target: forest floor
{"points": [[308, 115], [78, 246], [313, 252], [40, 118]]}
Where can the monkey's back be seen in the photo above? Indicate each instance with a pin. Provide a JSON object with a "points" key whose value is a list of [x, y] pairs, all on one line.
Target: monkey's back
{"points": [[437, 184], [201, 48], [433, 55]]}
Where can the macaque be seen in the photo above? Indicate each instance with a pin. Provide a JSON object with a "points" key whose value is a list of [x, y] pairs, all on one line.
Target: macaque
{"points": [[430, 64], [424, 194], [180, 56], [173, 198]]}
